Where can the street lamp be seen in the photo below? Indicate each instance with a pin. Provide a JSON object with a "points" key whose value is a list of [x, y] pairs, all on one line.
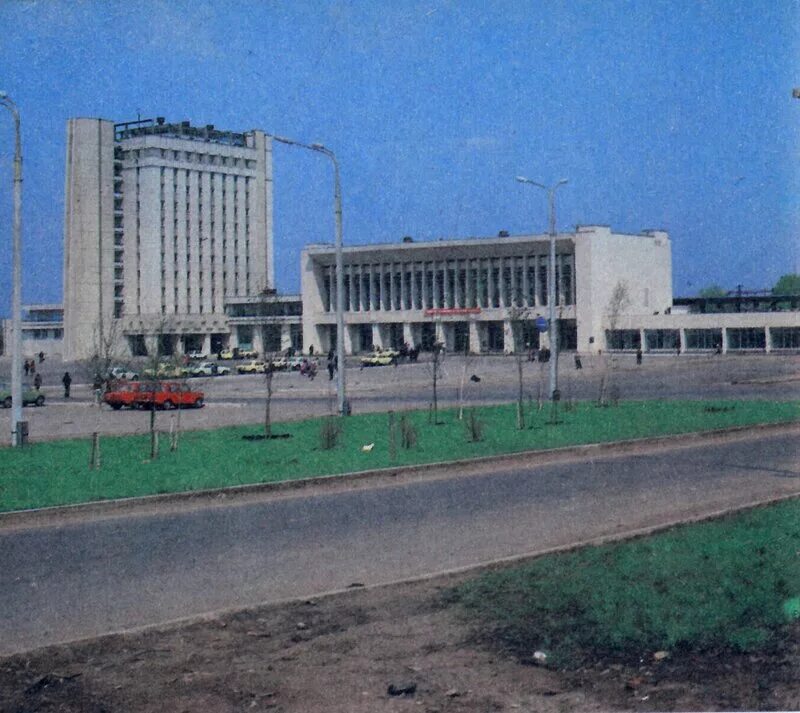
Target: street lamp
{"points": [[337, 207], [551, 279], [16, 302]]}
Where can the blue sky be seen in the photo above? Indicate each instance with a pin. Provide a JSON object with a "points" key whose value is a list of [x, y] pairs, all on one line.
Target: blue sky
{"points": [[674, 115]]}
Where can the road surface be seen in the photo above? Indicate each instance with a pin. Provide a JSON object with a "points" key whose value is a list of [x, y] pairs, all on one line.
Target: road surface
{"points": [[85, 578]]}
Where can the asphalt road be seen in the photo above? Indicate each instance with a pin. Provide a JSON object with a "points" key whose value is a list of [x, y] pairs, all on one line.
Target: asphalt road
{"points": [[240, 399], [69, 581]]}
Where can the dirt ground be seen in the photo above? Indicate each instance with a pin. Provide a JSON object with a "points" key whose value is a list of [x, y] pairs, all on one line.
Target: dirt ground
{"points": [[344, 653]]}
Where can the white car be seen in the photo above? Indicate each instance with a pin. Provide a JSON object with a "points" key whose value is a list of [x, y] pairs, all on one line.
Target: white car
{"points": [[120, 372], [209, 368], [197, 356]]}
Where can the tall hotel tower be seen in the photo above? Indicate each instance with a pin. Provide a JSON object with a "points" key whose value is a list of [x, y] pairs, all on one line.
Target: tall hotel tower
{"points": [[163, 223]]}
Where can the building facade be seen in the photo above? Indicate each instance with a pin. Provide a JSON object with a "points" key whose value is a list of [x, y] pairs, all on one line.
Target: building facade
{"points": [[163, 224], [484, 295]]}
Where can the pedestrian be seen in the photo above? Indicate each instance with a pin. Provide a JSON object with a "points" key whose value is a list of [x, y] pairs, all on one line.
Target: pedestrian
{"points": [[67, 381], [27, 368], [32, 366], [331, 364], [639, 356], [311, 350], [41, 357], [578, 364], [37, 382]]}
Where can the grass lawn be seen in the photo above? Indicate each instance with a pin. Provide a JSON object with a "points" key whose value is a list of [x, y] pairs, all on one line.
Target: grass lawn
{"points": [[731, 583], [57, 473]]}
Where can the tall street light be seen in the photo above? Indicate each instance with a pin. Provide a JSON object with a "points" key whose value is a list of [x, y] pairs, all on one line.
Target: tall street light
{"points": [[342, 405], [16, 305], [551, 279]]}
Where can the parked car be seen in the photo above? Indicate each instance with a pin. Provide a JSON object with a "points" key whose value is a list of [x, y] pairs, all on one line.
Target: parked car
{"points": [[168, 395], [166, 370], [247, 354], [380, 358], [123, 395], [227, 354], [120, 372], [197, 356], [30, 396], [293, 363], [280, 363], [159, 394], [209, 368], [252, 367]]}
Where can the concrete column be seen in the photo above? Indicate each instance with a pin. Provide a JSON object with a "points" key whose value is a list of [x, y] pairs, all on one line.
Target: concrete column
{"points": [[767, 339], [408, 334], [526, 284], [535, 261], [516, 298], [403, 286], [206, 344], [448, 336], [508, 336], [439, 331], [449, 288], [348, 338], [424, 271], [490, 283], [377, 336], [258, 339], [501, 281], [724, 340], [151, 344], [474, 338], [233, 340], [642, 340], [469, 284], [414, 288], [286, 338], [682, 340]]}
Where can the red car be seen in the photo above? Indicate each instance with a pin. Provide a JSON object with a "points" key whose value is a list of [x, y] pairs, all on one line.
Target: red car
{"points": [[122, 394], [158, 394]]}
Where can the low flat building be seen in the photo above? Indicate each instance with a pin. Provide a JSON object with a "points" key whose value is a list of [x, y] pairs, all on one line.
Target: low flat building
{"points": [[485, 294]]}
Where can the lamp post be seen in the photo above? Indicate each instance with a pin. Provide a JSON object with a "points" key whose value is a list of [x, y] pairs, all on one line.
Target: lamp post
{"points": [[551, 279], [16, 302], [342, 405]]}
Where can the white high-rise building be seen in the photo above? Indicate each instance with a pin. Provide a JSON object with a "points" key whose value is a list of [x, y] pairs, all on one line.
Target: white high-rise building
{"points": [[163, 223]]}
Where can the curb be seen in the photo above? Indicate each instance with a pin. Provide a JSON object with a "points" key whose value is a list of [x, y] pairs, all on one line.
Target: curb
{"points": [[227, 495]]}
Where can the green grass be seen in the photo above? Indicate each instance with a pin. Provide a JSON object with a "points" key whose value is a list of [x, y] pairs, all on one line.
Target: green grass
{"points": [[731, 583], [57, 473]]}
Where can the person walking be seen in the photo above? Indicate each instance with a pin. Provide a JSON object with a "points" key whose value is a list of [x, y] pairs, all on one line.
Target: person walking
{"points": [[37, 382], [639, 356], [27, 367], [67, 381], [331, 364]]}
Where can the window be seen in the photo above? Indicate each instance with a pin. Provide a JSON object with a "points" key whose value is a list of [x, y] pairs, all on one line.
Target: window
{"points": [[785, 337], [746, 338], [705, 339], [623, 339]]}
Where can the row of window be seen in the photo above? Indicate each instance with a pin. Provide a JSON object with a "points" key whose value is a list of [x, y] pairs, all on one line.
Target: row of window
{"points": [[209, 159], [703, 339]]}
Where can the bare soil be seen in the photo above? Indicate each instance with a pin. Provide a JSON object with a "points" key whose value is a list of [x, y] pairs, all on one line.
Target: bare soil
{"points": [[343, 654]]}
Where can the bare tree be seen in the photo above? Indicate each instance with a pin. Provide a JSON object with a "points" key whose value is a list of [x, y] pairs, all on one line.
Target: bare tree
{"points": [[517, 315], [618, 303], [269, 375], [436, 372], [468, 359]]}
